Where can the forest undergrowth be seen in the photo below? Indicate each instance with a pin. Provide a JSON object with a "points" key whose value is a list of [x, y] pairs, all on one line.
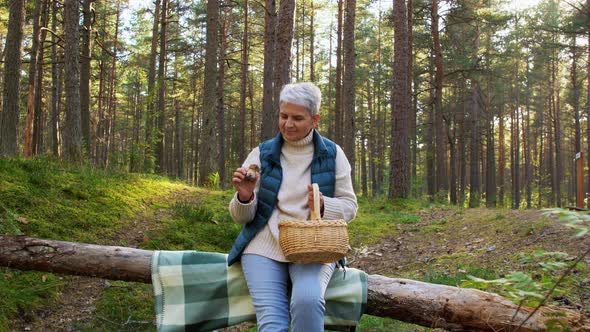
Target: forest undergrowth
{"points": [[402, 238]]}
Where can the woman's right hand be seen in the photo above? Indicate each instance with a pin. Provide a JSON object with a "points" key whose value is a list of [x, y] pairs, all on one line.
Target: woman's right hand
{"points": [[244, 187]]}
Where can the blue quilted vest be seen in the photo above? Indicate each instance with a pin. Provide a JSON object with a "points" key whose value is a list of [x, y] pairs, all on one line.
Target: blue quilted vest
{"points": [[323, 172]]}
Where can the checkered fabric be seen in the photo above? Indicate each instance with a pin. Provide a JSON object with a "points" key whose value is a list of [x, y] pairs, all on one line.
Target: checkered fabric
{"points": [[197, 291]]}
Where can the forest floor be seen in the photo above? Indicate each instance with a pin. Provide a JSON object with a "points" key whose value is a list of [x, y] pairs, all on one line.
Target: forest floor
{"points": [[404, 238]]}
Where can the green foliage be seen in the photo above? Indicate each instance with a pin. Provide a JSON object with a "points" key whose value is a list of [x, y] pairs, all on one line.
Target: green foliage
{"points": [[580, 221], [213, 181], [459, 276], [524, 288]]}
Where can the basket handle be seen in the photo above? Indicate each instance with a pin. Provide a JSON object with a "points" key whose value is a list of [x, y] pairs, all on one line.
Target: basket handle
{"points": [[315, 213]]}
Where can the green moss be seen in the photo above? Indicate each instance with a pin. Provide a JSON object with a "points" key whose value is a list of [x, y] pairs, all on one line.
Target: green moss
{"points": [[21, 291]]}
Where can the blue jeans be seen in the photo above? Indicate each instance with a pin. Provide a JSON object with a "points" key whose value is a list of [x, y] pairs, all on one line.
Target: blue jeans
{"points": [[269, 282]]}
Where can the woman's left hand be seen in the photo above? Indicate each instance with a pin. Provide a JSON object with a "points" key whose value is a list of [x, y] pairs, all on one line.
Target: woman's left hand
{"points": [[310, 198]]}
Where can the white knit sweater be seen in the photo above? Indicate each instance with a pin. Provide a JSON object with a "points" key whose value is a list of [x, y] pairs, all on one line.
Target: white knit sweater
{"points": [[292, 204]]}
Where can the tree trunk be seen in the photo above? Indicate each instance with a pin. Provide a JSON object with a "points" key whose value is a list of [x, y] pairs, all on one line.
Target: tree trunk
{"points": [[431, 305], [55, 86], [221, 131], [515, 143], [311, 43], [501, 156], [282, 67], [412, 96], [28, 144], [161, 116], [348, 85], [338, 130], [12, 66], [85, 73], [148, 163], [441, 172], [178, 134], [243, 86], [207, 154], [557, 127], [588, 105], [576, 97], [381, 119], [528, 176], [399, 176], [73, 125], [490, 151], [135, 153], [540, 160], [111, 144], [463, 129], [429, 138], [38, 121], [269, 113], [474, 187]]}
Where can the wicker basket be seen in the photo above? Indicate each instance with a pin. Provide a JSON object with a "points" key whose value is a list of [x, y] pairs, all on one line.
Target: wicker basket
{"points": [[316, 240]]}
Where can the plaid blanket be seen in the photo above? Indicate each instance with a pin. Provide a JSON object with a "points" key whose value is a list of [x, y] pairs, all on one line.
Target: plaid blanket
{"points": [[197, 291]]}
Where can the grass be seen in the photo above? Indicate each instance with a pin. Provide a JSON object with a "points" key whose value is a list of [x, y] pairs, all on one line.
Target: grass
{"points": [[377, 218], [197, 226]]}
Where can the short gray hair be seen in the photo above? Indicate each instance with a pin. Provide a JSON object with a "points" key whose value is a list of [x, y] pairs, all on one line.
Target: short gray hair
{"points": [[305, 94]]}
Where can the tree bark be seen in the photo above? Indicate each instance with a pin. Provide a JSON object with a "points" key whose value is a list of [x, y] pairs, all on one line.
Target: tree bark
{"points": [[311, 43], [243, 85], [399, 176], [338, 130], [528, 174], [85, 73], [282, 67], [221, 130], [148, 163], [111, 135], [431, 305], [588, 105], [557, 127], [490, 150], [441, 171], [474, 188], [39, 118], [501, 156], [348, 85], [55, 86], [28, 144], [10, 92], [73, 128], [429, 137], [161, 117], [269, 125], [207, 154], [412, 94]]}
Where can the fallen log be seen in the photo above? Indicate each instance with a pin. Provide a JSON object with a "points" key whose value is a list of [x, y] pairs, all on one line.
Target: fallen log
{"points": [[431, 305]]}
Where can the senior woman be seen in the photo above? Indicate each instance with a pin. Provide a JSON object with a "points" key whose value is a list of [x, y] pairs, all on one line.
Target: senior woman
{"points": [[289, 163]]}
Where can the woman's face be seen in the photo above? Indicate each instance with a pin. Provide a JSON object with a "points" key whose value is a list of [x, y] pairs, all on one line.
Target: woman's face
{"points": [[295, 122]]}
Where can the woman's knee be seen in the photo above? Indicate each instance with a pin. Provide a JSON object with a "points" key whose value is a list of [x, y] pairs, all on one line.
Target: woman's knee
{"points": [[307, 300]]}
